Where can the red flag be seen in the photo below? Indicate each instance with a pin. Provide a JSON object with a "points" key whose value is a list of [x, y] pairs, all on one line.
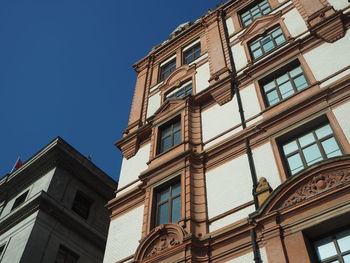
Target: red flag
{"points": [[17, 165]]}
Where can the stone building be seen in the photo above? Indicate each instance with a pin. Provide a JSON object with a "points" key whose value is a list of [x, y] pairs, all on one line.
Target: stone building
{"points": [[237, 147], [52, 208]]}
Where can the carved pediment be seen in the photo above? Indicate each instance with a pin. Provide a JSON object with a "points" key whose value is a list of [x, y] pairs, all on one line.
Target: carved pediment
{"points": [[178, 76], [325, 177], [167, 107], [260, 25], [160, 239]]}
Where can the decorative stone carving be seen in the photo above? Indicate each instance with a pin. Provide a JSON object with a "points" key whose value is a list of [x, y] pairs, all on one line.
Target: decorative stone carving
{"points": [[318, 184], [160, 239], [330, 30], [163, 243], [263, 190]]}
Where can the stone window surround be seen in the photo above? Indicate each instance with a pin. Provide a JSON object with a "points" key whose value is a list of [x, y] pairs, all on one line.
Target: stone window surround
{"points": [[332, 236], [235, 14], [323, 118], [179, 57], [262, 31], [298, 62]]}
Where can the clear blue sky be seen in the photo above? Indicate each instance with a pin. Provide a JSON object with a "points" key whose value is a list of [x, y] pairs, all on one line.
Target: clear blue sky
{"points": [[65, 70]]}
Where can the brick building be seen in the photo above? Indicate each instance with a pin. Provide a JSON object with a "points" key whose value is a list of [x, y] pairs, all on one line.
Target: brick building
{"points": [[237, 147]]}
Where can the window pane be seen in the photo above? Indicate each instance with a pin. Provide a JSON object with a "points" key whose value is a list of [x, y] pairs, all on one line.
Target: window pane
{"points": [[258, 53], [346, 259], [295, 163], [176, 189], [286, 90], [277, 32], [312, 154], [163, 214], [266, 11], [344, 241], [166, 143], [255, 46], [290, 147], [163, 195], [177, 137], [272, 98], [282, 79], [306, 139], [269, 86], [325, 248], [331, 147], [268, 46], [324, 131], [300, 82], [175, 213], [280, 40], [296, 71]]}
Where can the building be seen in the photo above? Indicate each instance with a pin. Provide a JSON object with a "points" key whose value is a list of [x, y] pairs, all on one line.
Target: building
{"points": [[237, 147], [52, 208]]}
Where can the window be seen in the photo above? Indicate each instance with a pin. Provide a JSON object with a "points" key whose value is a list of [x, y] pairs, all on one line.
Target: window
{"points": [[266, 43], [81, 205], [192, 53], [170, 135], [255, 11], [64, 255], [2, 249], [168, 205], [19, 200], [316, 145], [334, 248], [182, 92], [282, 84], [167, 68]]}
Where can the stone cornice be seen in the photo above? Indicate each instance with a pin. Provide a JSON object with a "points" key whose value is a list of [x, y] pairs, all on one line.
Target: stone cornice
{"points": [[44, 203]]}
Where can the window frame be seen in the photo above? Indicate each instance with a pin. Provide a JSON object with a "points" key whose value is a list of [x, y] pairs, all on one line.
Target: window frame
{"points": [[267, 34], [331, 235], [17, 203], [68, 253], [157, 203], [183, 89], [301, 131], [168, 71], [3, 246], [163, 127], [194, 51], [251, 6], [76, 208], [272, 77]]}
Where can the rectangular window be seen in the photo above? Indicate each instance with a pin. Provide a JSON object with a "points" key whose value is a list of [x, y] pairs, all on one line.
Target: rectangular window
{"points": [[2, 250], [311, 147], [81, 205], [192, 53], [284, 83], [266, 43], [166, 69], [254, 11], [170, 135], [334, 248], [168, 206], [182, 92], [64, 255], [19, 200]]}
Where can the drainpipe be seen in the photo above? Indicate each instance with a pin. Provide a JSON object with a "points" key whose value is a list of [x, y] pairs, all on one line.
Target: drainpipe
{"points": [[256, 251]]}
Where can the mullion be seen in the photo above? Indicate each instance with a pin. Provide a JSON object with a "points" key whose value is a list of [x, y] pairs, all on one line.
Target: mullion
{"points": [[319, 145], [277, 87], [337, 248]]}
